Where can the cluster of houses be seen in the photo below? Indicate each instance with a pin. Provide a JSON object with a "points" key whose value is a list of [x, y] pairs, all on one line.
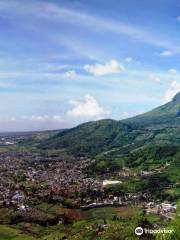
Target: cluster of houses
{"points": [[165, 209], [4, 141], [30, 177], [26, 178]]}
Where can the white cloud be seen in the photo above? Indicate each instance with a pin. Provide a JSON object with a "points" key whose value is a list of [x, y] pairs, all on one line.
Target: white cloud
{"points": [[172, 71], [54, 12], [172, 91], [32, 122], [88, 108], [166, 53], [155, 78], [128, 59], [12, 119], [57, 118], [35, 118], [112, 66], [41, 118], [53, 67], [35, 75], [70, 74]]}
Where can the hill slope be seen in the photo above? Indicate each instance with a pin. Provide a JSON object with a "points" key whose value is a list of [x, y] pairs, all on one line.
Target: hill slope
{"points": [[160, 126], [168, 114], [91, 137]]}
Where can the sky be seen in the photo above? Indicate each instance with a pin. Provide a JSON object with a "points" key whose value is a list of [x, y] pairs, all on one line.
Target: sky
{"points": [[70, 61]]}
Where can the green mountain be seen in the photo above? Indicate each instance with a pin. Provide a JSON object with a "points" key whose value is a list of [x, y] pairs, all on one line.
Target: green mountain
{"points": [[160, 126], [92, 137], [168, 114]]}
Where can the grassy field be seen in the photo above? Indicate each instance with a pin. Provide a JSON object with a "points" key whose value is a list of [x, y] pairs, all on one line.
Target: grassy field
{"points": [[10, 233], [84, 227], [85, 219]]}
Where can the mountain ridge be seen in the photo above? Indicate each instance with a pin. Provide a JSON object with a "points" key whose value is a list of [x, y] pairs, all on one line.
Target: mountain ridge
{"points": [[158, 126]]}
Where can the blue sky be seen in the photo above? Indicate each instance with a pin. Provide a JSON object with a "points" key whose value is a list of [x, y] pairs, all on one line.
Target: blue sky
{"points": [[66, 62]]}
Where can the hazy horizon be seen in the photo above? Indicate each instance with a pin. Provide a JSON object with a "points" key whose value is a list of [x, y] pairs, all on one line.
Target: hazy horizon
{"points": [[67, 62]]}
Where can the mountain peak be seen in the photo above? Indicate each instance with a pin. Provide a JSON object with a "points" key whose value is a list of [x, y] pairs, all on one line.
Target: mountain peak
{"points": [[176, 98]]}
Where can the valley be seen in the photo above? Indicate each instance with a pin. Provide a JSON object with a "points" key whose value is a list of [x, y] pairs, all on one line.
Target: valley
{"points": [[85, 182]]}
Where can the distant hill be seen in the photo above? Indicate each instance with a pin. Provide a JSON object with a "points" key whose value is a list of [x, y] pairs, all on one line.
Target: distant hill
{"points": [[160, 126], [92, 137]]}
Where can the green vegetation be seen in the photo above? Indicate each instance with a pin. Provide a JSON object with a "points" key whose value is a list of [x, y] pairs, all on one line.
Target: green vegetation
{"points": [[159, 126], [119, 223], [90, 138], [102, 223], [147, 145]]}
